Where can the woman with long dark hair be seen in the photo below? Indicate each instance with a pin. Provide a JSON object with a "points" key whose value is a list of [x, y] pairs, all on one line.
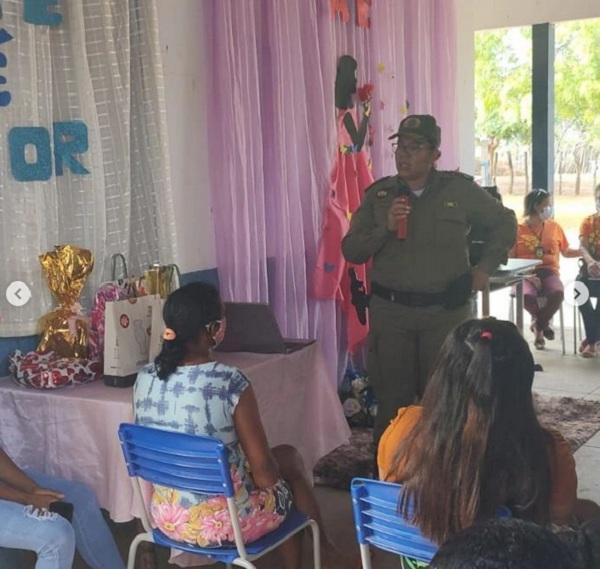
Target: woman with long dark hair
{"points": [[475, 444], [345, 91]]}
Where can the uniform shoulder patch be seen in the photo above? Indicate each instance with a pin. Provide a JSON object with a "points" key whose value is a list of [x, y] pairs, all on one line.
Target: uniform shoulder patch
{"points": [[381, 187]]}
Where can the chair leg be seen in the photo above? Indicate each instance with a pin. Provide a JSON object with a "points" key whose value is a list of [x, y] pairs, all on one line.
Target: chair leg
{"points": [[575, 329], [316, 536], [244, 563], [520, 308], [365, 556], [562, 330], [139, 538]]}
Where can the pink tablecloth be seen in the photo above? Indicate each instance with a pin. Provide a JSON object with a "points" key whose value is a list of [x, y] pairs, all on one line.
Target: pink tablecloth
{"points": [[72, 432]]}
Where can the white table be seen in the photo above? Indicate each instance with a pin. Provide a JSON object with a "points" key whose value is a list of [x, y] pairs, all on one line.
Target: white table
{"points": [[72, 432], [513, 273]]}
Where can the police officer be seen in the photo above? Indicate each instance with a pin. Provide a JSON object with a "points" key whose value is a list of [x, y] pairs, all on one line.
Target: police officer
{"points": [[422, 284]]}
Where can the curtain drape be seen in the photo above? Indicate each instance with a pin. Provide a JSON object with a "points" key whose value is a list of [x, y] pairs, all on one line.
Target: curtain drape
{"points": [[272, 129], [100, 66]]}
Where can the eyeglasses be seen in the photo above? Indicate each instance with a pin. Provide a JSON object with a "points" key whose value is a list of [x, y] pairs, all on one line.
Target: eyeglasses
{"points": [[410, 148]]}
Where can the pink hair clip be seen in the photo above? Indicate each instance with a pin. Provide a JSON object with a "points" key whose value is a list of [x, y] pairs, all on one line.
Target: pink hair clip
{"points": [[486, 335], [169, 334]]}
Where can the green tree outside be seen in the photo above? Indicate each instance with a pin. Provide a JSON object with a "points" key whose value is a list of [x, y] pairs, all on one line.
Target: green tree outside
{"points": [[503, 100]]}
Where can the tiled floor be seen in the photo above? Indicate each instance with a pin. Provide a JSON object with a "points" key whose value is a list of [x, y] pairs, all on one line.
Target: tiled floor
{"points": [[567, 375], [573, 376]]}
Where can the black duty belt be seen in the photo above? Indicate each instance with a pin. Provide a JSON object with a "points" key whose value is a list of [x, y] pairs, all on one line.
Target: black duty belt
{"points": [[419, 299]]}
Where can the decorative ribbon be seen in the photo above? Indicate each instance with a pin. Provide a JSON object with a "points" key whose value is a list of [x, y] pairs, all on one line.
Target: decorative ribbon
{"points": [[76, 316]]}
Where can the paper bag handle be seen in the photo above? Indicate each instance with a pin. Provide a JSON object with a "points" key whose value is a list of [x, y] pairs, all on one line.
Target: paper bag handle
{"points": [[177, 276], [119, 257]]}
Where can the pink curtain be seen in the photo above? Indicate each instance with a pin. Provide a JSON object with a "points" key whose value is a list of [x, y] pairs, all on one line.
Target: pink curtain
{"points": [[272, 127]]}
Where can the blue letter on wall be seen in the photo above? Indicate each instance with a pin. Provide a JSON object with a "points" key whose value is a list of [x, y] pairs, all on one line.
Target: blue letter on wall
{"points": [[70, 138], [18, 139], [4, 95], [36, 12]]}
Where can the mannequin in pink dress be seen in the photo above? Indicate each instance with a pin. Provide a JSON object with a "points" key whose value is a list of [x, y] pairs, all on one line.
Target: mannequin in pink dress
{"points": [[350, 177]]}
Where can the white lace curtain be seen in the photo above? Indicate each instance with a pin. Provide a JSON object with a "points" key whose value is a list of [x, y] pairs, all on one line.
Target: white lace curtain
{"points": [[100, 65]]}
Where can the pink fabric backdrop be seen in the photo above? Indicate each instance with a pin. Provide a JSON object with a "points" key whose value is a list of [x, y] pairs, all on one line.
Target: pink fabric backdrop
{"points": [[272, 126]]}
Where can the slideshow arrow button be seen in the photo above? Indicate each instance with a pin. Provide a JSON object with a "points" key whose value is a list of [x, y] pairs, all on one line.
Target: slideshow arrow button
{"points": [[18, 293], [576, 293]]}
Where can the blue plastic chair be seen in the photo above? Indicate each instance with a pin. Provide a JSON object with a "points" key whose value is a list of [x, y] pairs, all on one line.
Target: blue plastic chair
{"points": [[198, 464], [379, 524]]}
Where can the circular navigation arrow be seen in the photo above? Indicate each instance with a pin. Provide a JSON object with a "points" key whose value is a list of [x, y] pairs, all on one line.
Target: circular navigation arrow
{"points": [[18, 293], [576, 293]]}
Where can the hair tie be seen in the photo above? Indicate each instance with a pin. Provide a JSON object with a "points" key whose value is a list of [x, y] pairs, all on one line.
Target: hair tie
{"points": [[486, 335], [169, 334]]}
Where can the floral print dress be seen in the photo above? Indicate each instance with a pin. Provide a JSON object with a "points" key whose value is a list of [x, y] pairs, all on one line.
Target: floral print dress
{"points": [[201, 400]]}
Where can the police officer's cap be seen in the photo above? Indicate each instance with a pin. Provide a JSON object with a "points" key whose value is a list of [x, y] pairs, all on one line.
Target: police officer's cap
{"points": [[424, 126]]}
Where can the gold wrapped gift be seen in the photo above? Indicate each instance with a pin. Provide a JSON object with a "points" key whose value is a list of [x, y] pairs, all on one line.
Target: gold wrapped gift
{"points": [[161, 279], [65, 330]]}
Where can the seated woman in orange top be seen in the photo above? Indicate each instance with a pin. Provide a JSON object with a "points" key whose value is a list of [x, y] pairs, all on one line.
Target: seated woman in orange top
{"points": [[540, 237], [589, 236], [476, 444]]}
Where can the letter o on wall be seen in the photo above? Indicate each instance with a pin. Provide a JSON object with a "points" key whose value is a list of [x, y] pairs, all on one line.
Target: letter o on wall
{"points": [[18, 139]]}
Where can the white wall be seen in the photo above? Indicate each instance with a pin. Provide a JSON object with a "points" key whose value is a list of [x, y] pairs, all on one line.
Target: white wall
{"points": [[475, 15], [465, 88], [184, 66], [504, 13]]}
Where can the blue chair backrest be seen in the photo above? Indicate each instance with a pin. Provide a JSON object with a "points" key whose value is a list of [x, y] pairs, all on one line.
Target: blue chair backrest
{"points": [[177, 460], [379, 523]]}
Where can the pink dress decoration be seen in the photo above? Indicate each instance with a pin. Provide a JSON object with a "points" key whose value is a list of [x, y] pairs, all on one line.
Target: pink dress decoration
{"points": [[350, 177]]}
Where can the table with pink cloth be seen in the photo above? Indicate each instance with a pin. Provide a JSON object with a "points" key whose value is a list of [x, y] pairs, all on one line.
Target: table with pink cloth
{"points": [[72, 432]]}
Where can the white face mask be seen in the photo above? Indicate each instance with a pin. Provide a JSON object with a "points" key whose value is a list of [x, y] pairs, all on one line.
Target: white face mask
{"points": [[546, 213]]}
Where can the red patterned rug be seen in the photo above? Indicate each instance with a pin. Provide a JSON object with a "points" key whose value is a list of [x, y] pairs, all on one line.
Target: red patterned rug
{"points": [[577, 419]]}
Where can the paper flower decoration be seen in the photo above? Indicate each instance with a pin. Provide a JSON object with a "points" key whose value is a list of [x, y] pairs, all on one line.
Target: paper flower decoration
{"points": [[365, 93]]}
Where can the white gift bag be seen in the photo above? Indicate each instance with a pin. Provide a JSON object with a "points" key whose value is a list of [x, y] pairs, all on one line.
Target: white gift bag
{"points": [[127, 332], [157, 329]]}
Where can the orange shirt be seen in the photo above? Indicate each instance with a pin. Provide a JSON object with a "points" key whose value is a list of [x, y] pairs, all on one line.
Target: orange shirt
{"points": [[563, 491], [545, 244], [589, 233]]}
